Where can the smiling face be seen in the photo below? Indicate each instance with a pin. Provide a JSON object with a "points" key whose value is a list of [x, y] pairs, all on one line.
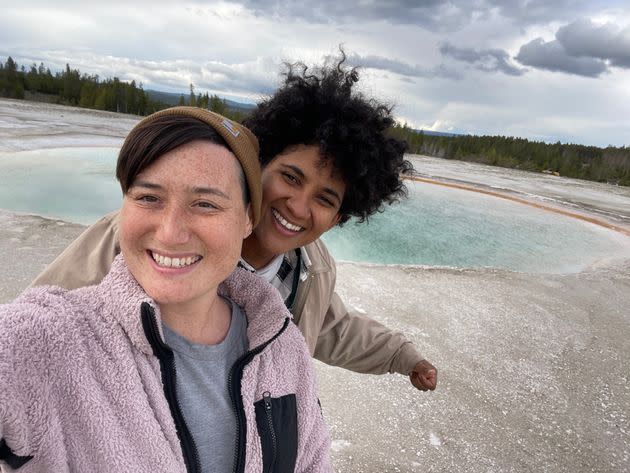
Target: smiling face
{"points": [[301, 199], [183, 221]]}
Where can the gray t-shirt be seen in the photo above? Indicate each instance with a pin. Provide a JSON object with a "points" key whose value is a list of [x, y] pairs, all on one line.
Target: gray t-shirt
{"points": [[202, 390]]}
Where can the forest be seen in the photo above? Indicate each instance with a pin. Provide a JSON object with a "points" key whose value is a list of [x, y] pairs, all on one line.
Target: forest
{"points": [[610, 164], [70, 87]]}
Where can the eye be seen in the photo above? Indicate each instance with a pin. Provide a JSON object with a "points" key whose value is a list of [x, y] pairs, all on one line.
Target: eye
{"points": [[150, 199], [206, 205], [290, 178], [326, 201]]}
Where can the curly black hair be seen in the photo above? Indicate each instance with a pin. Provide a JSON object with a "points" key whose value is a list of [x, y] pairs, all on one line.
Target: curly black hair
{"points": [[319, 107]]}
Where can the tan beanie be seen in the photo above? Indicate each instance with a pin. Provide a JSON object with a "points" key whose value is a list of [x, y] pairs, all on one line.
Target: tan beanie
{"points": [[239, 139]]}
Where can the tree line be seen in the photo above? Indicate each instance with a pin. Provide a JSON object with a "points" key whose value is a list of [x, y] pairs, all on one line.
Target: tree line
{"points": [[70, 87], [610, 164], [211, 102]]}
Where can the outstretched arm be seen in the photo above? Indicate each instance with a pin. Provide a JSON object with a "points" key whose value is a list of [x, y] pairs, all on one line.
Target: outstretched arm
{"points": [[358, 343], [351, 340]]}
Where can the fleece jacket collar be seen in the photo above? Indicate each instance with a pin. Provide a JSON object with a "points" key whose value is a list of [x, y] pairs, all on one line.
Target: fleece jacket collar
{"points": [[122, 297]]}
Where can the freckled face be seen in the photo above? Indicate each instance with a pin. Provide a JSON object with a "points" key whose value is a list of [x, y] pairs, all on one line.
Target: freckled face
{"points": [[301, 200], [183, 222]]}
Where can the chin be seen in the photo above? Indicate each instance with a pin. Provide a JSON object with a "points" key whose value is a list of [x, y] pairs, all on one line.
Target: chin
{"points": [[167, 297], [280, 245], [169, 300]]}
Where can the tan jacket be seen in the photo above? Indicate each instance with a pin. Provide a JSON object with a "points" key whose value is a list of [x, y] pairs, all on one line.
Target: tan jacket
{"points": [[334, 335]]}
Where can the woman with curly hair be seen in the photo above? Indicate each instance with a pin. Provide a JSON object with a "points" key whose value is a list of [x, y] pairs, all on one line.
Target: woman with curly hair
{"points": [[326, 157]]}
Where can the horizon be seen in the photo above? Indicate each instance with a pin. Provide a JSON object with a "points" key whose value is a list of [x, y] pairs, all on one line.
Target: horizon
{"points": [[253, 104]]}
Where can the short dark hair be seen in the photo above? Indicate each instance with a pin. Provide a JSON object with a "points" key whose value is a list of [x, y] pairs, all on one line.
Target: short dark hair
{"points": [[319, 107], [147, 142]]}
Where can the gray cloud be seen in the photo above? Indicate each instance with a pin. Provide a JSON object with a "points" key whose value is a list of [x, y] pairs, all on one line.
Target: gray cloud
{"points": [[434, 15], [402, 68], [553, 57], [489, 60], [524, 12], [581, 48], [583, 38]]}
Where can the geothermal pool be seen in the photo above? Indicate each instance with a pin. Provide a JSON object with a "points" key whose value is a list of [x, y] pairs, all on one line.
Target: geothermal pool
{"points": [[436, 226], [74, 184], [441, 226]]}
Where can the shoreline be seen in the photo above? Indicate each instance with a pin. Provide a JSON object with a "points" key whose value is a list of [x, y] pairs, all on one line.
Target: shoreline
{"points": [[604, 201], [470, 187], [26, 126]]}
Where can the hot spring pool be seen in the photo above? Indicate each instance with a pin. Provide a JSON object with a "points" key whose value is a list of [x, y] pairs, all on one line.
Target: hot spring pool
{"points": [[74, 184], [435, 226]]}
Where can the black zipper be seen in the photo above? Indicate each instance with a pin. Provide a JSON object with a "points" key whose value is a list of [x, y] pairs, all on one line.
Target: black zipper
{"points": [[234, 386], [267, 401], [167, 367]]}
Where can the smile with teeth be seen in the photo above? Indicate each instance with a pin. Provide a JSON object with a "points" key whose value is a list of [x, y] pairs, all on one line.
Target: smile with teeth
{"points": [[167, 262], [284, 222]]}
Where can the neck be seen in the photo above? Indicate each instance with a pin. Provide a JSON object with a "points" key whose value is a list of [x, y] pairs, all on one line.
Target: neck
{"points": [[199, 322], [254, 253]]}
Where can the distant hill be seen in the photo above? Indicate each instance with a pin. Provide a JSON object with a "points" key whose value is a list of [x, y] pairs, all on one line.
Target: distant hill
{"points": [[437, 133], [171, 98]]}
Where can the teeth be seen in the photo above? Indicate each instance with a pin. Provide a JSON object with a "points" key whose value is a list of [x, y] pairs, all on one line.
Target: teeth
{"points": [[167, 262], [286, 224]]}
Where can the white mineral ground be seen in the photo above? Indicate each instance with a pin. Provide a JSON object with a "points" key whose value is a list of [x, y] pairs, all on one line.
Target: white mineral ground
{"points": [[533, 367]]}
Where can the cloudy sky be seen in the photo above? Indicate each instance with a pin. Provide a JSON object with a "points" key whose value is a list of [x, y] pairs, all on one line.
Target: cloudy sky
{"points": [[543, 70]]}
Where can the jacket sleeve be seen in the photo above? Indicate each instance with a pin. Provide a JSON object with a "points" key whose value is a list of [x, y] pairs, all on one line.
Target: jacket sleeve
{"points": [[87, 260], [354, 341], [359, 343]]}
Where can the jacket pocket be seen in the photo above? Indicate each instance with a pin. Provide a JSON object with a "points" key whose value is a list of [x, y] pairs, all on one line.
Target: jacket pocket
{"points": [[276, 419]]}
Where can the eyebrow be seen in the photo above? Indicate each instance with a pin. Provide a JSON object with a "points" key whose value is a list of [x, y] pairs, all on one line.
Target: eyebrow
{"points": [[300, 173], [194, 190]]}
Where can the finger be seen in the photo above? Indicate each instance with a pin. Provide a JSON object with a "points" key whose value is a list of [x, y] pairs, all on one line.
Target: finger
{"points": [[430, 383], [417, 382]]}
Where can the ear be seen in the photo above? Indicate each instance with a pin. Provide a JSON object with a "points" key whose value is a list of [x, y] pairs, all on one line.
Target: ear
{"points": [[249, 221]]}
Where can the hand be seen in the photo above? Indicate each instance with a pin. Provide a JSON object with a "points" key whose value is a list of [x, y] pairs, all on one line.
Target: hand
{"points": [[424, 376]]}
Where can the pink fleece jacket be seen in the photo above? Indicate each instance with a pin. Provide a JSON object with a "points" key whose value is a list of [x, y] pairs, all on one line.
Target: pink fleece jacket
{"points": [[81, 390]]}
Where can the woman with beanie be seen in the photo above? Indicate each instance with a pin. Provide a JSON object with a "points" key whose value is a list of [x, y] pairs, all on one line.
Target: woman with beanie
{"points": [[175, 361]]}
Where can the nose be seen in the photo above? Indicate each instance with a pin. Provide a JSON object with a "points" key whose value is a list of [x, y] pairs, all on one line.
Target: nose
{"points": [[298, 205], [173, 229]]}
